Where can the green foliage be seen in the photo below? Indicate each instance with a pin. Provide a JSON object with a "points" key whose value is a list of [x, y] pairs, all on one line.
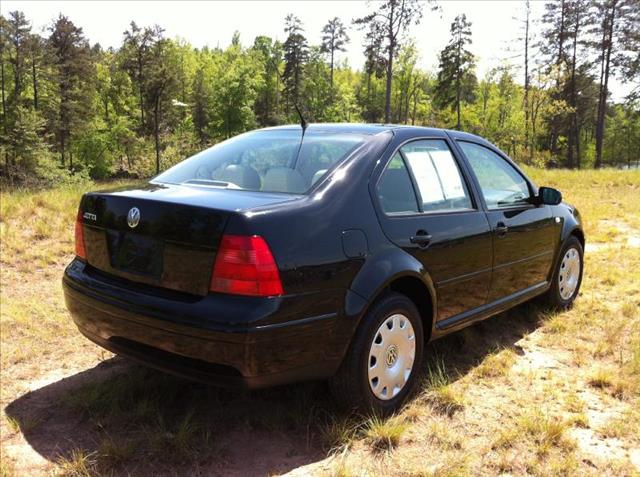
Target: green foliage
{"points": [[456, 77], [295, 50], [69, 109], [26, 139]]}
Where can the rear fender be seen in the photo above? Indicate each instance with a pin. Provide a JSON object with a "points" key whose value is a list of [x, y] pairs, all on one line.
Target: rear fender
{"points": [[377, 273]]}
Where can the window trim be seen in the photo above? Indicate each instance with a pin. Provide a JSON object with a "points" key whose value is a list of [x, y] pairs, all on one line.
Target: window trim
{"points": [[513, 165], [470, 190]]}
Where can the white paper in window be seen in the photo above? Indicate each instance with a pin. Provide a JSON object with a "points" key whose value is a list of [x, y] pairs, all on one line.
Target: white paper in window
{"points": [[426, 176], [449, 174]]}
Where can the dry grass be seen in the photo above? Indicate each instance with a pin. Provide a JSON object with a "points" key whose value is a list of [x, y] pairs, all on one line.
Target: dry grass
{"points": [[497, 364], [384, 434], [529, 392]]}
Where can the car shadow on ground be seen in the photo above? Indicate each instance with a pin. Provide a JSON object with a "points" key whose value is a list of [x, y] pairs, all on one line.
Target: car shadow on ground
{"points": [[127, 419]]}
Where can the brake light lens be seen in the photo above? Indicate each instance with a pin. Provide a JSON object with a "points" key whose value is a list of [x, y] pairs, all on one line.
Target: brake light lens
{"points": [[245, 266], [80, 248]]}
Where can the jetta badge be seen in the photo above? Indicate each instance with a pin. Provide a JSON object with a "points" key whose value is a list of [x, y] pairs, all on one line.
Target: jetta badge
{"points": [[133, 217]]}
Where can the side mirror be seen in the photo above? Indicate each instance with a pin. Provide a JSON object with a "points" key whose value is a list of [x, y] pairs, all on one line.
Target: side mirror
{"points": [[549, 196]]}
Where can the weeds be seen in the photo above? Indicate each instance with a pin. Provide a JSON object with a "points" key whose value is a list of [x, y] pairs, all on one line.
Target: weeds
{"points": [[384, 434], [439, 391], [78, 464]]}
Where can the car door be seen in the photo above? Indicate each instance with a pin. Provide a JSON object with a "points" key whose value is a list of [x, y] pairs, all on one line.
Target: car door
{"points": [[524, 234], [426, 207]]}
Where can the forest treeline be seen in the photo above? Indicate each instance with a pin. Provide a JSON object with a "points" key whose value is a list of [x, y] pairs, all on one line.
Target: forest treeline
{"points": [[72, 109]]}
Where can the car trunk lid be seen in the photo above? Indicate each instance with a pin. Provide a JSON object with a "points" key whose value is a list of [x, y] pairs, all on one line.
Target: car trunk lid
{"points": [[172, 239]]}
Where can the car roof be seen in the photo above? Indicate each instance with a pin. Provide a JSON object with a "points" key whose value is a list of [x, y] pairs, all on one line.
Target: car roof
{"points": [[372, 129]]}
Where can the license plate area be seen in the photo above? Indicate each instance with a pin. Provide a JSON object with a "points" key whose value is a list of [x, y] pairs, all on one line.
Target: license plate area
{"points": [[135, 254]]}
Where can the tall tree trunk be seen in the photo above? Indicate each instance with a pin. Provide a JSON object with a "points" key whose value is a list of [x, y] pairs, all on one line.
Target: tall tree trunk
{"points": [[604, 84], [387, 96], [415, 105], [156, 131], [526, 85], [62, 148], [574, 137], [4, 111], [578, 153], [458, 73], [34, 78], [140, 92], [561, 34], [392, 45], [277, 98], [331, 76], [17, 80]]}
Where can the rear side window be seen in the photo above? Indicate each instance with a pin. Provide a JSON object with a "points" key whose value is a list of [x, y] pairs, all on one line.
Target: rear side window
{"points": [[501, 184], [440, 183], [395, 190]]}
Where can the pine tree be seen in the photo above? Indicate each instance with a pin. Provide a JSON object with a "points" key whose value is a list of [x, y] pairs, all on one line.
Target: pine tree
{"points": [[4, 42], [553, 46], [136, 54], [200, 112], [73, 71], [18, 31], [296, 53], [611, 18], [35, 49], [563, 44], [374, 68], [161, 78], [526, 39], [456, 77], [334, 39], [267, 104], [390, 22], [629, 53]]}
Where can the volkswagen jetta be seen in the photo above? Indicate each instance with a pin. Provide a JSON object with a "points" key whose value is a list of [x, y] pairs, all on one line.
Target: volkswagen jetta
{"points": [[334, 251]]}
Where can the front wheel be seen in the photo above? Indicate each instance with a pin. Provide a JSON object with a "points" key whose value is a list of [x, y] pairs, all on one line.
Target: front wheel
{"points": [[567, 276], [380, 369]]}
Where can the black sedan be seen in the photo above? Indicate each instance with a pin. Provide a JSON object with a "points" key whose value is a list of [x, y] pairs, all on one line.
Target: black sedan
{"points": [[334, 251]]}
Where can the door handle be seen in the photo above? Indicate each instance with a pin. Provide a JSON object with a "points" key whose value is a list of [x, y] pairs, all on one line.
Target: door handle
{"points": [[422, 238], [501, 229]]}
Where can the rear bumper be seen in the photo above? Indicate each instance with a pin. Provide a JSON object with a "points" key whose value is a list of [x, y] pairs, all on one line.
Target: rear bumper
{"points": [[225, 340]]}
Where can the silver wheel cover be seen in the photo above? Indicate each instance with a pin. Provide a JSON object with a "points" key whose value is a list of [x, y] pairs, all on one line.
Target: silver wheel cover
{"points": [[391, 356], [569, 273]]}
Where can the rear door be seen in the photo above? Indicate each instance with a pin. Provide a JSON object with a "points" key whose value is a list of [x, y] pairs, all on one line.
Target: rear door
{"points": [[425, 207], [524, 235]]}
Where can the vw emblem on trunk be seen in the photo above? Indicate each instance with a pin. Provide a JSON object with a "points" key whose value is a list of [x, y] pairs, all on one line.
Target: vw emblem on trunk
{"points": [[133, 217]]}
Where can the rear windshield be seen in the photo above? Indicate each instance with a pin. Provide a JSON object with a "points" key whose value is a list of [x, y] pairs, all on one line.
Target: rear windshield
{"points": [[269, 161]]}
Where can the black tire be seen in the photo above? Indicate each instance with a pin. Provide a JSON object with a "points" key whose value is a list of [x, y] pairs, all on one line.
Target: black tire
{"points": [[350, 386], [553, 296]]}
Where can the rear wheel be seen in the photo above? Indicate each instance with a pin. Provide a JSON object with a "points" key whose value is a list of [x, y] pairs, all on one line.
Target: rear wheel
{"points": [[567, 276], [380, 369]]}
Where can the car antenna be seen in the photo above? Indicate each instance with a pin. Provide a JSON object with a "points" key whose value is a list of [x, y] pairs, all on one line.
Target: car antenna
{"points": [[304, 125], [303, 122]]}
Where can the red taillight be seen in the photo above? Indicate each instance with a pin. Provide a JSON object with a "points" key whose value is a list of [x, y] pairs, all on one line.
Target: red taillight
{"points": [[80, 248], [245, 266]]}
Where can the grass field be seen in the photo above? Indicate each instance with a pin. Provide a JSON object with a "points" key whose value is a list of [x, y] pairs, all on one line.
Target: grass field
{"points": [[528, 392]]}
